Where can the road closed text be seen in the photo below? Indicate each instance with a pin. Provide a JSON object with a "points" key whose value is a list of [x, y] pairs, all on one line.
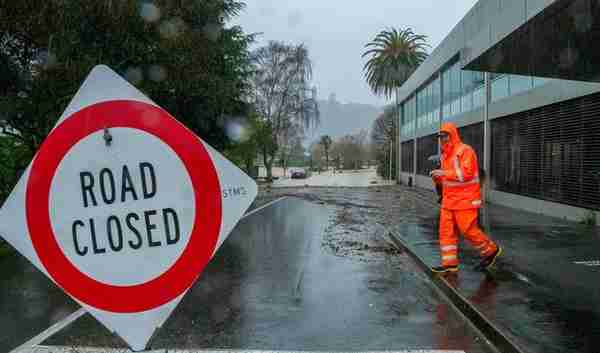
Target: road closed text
{"points": [[126, 230]]}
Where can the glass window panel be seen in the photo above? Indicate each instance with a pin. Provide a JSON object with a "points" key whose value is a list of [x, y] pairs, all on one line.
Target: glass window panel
{"points": [[446, 77], [447, 112], [456, 106], [421, 107], [539, 81], [401, 114], [467, 102], [429, 98], [477, 79], [436, 93], [450, 83], [494, 76], [417, 102], [457, 82], [478, 97], [520, 84], [499, 88], [466, 81]]}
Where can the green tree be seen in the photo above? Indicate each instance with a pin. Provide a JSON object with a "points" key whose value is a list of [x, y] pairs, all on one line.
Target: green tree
{"points": [[179, 53], [350, 151], [392, 56], [257, 139]]}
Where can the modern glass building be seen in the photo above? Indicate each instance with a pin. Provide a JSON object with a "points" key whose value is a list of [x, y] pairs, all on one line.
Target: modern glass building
{"points": [[520, 79]]}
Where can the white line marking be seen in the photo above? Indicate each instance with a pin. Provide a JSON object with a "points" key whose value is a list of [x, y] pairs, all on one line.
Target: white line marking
{"points": [[66, 349], [588, 263], [263, 206], [35, 341], [50, 331]]}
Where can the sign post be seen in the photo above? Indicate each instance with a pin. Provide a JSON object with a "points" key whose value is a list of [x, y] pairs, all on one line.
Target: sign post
{"points": [[123, 206]]}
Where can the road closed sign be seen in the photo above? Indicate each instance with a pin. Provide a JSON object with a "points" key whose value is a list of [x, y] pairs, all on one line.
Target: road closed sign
{"points": [[123, 206]]}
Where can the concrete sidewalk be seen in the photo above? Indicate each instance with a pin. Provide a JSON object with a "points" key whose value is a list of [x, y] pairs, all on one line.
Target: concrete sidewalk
{"points": [[544, 294]]}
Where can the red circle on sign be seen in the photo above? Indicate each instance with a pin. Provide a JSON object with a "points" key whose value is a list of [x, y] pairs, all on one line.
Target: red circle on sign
{"points": [[207, 221]]}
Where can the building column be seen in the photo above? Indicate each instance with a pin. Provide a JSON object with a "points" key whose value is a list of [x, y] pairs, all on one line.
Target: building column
{"points": [[414, 174], [487, 137], [398, 134]]}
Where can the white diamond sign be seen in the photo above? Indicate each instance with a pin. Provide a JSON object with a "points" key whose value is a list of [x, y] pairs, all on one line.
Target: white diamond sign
{"points": [[123, 206]]}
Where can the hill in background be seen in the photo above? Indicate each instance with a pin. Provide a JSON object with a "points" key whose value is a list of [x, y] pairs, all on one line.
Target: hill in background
{"points": [[339, 119]]}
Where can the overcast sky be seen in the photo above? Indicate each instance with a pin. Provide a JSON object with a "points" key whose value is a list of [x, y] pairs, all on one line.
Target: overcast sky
{"points": [[335, 32]]}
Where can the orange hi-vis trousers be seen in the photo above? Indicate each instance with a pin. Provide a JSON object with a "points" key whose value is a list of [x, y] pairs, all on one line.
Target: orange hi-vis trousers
{"points": [[466, 222]]}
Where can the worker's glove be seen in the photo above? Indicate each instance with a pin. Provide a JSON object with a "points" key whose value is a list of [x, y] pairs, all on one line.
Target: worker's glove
{"points": [[437, 173]]}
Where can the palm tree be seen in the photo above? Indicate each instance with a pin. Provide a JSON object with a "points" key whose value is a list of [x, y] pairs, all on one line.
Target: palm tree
{"points": [[393, 56]]}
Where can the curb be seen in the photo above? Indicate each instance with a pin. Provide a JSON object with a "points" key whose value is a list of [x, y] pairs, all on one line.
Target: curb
{"points": [[489, 330]]}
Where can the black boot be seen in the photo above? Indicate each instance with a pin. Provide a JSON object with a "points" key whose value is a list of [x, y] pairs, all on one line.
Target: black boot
{"points": [[489, 261], [445, 269]]}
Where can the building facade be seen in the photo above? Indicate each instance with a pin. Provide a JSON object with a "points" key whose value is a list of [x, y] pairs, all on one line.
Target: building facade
{"points": [[535, 129]]}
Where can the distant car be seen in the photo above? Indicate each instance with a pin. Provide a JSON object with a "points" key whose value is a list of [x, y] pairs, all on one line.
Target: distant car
{"points": [[299, 174]]}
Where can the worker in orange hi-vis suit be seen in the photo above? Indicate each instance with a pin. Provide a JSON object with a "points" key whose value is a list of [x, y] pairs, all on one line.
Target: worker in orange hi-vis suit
{"points": [[459, 177]]}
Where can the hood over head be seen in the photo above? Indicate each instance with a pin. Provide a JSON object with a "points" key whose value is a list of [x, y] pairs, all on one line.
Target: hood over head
{"points": [[451, 130]]}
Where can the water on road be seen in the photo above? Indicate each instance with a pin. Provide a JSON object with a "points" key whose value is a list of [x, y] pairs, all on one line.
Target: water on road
{"points": [[276, 284]]}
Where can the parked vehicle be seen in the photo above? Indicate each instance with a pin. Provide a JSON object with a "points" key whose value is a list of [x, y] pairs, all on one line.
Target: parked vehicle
{"points": [[299, 173]]}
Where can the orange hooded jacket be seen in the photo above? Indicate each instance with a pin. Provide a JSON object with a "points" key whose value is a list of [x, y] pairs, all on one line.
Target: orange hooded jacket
{"points": [[461, 189]]}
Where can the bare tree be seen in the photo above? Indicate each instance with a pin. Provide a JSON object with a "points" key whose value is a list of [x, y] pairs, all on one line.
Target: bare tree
{"points": [[289, 138], [351, 150], [281, 92], [326, 142], [316, 154]]}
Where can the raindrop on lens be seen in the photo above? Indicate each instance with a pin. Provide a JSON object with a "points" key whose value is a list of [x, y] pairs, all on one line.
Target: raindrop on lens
{"points": [[46, 59], [149, 12], [172, 28], [235, 130]]}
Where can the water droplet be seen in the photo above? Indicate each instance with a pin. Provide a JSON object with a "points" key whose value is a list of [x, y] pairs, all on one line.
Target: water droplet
{"points": [[172, 28], [46, 59], [149, 12], [236, 130]]}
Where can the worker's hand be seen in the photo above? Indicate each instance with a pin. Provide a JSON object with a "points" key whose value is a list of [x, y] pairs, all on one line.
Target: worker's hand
{"points": [[437, 173]]}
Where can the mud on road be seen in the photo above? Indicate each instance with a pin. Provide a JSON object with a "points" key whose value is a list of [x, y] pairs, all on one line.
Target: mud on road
{"points": [[361, 216]]}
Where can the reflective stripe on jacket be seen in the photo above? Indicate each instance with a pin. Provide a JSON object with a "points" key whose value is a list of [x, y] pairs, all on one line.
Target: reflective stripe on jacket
{"points": [[461, 188]]}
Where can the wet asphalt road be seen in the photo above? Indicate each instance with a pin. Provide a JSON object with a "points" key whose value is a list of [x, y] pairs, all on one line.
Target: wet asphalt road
{"points": [[29, 302], [277, 285]]}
